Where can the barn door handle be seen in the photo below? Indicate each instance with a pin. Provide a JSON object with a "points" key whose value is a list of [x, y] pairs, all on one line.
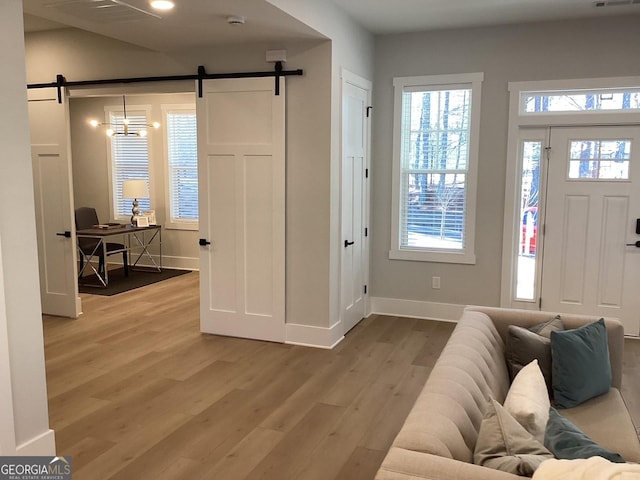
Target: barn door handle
{"points": [[348, 243], [203, 242], [66, 234]]}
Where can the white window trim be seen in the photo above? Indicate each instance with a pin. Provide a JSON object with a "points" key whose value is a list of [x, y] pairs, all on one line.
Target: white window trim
{"points": [[132, 110], [519, 121], [467, 254], [168, 223]]}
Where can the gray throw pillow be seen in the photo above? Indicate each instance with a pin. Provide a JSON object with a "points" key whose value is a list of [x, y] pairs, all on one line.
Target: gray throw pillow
{"points": [[581, 366], [566, 441], [525, 345], [503, 444]]}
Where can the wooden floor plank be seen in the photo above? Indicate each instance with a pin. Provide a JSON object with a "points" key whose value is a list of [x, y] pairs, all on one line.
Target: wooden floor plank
{"points": [[361, 465]]}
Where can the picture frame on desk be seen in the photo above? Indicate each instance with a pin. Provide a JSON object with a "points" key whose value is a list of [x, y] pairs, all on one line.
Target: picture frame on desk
{"points": [[151, 215], [142, 221]]}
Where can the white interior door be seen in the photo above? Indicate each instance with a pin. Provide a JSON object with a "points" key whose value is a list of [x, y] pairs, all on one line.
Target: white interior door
{"points": [[593, 201], [241, 172], [52, 180], [354, 264]]}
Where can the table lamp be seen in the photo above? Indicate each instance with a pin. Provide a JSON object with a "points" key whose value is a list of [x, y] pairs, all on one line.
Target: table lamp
{"points": [[135, 189]]}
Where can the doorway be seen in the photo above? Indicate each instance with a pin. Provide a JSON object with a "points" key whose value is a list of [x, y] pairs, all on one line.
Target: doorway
{"points": [[571, 207], [590, 264]]}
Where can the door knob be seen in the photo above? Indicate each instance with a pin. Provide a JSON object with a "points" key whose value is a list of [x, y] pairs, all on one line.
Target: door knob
{"points": [[348, 243], [66, 234], [203, 242]]}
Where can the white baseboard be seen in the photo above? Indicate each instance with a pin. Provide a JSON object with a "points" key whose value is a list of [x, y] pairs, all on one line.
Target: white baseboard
{"points": [[179, 263], [447, 312], [310, 336], [42, 445]]}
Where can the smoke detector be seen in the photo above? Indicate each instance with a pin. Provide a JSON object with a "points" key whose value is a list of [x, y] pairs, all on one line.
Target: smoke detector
{"points": [[235, 20]]}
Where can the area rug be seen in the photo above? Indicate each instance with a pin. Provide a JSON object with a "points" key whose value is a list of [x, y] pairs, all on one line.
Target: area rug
{"points": [[118, 283]]}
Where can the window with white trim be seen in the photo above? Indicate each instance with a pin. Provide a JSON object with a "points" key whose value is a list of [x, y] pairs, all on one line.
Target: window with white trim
{"points": [[129, 160], [435, 162], [182, 167], [583, 101]]}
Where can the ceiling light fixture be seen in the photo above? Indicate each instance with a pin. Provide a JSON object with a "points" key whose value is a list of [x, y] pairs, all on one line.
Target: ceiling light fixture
{"points": [[126, 127], [162, 4]]}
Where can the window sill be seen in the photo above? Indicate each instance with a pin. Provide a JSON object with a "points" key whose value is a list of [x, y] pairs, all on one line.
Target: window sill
{"points": [[433, 256], [182, 226]]}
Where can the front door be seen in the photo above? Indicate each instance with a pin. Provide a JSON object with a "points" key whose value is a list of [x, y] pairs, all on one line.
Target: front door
{"points": [[590, 262], [51, 156], [241, 177]]}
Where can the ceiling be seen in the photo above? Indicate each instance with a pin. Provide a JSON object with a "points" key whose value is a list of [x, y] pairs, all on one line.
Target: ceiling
{"points": [[197, 23], [192, 23], [384, 16]]}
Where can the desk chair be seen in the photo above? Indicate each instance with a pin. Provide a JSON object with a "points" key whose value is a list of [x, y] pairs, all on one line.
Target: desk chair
{"points": [[86, 217]]}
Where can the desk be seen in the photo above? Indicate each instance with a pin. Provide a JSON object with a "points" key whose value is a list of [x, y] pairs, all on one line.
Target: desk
{"points": [[137, 241]]}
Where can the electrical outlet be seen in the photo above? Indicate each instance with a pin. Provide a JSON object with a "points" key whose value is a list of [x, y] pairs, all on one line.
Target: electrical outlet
{"points": [[435, 283]]}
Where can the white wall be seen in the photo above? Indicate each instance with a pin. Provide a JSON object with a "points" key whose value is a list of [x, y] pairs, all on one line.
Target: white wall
{"points": [[20, 312], [83, 56], [91, 175], [560, 50], [352, 48]]}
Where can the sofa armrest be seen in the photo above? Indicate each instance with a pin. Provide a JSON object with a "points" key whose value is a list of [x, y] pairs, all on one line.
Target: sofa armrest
{"points": [[401, 464], [503, 317]]}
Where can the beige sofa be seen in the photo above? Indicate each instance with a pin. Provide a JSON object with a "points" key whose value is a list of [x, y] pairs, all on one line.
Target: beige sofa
{"points": [[438, 437]]}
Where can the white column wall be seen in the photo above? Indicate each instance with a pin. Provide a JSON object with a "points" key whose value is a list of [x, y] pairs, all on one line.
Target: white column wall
{"points": [[23, 401], [353, 50]]}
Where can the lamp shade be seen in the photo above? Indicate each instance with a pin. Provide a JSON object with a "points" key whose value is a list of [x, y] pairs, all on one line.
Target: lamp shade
{"points": [[135, 189]]}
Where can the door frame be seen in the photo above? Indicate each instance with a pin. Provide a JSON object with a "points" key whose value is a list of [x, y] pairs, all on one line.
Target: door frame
{"points": [[348, 77], [519, 122], [70, 93]]}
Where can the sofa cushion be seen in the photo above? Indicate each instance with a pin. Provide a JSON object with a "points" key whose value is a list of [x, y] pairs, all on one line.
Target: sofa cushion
{"points": [[580, 368], [614, 430], [402, 464], [526, 344], [504, 444], [528, 401], [566, 441]]}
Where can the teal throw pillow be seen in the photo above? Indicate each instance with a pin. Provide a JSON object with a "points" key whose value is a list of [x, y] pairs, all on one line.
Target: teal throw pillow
{"points": [[566, 441], [581, 368]]}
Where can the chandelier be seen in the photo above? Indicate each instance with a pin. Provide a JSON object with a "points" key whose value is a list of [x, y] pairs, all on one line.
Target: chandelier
{"points": [[126, 126]]}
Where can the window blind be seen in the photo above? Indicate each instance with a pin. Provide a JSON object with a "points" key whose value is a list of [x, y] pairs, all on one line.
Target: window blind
{"points": [[130, 161], [433, 170], [183, 166]]}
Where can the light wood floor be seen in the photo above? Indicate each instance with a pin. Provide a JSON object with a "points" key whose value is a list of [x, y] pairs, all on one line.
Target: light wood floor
{"points": [[136, 392]]}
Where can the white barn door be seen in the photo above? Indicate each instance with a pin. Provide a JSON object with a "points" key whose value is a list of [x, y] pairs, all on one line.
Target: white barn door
{"points": [[241, 172], [52, 181]]}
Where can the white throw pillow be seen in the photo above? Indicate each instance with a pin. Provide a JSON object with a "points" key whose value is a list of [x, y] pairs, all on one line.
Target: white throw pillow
{"points": [[528, 400]]}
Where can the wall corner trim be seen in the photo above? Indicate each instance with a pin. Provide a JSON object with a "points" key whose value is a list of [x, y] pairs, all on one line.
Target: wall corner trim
{"points": [[42, 445], [311, 336], [446, 312]]}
